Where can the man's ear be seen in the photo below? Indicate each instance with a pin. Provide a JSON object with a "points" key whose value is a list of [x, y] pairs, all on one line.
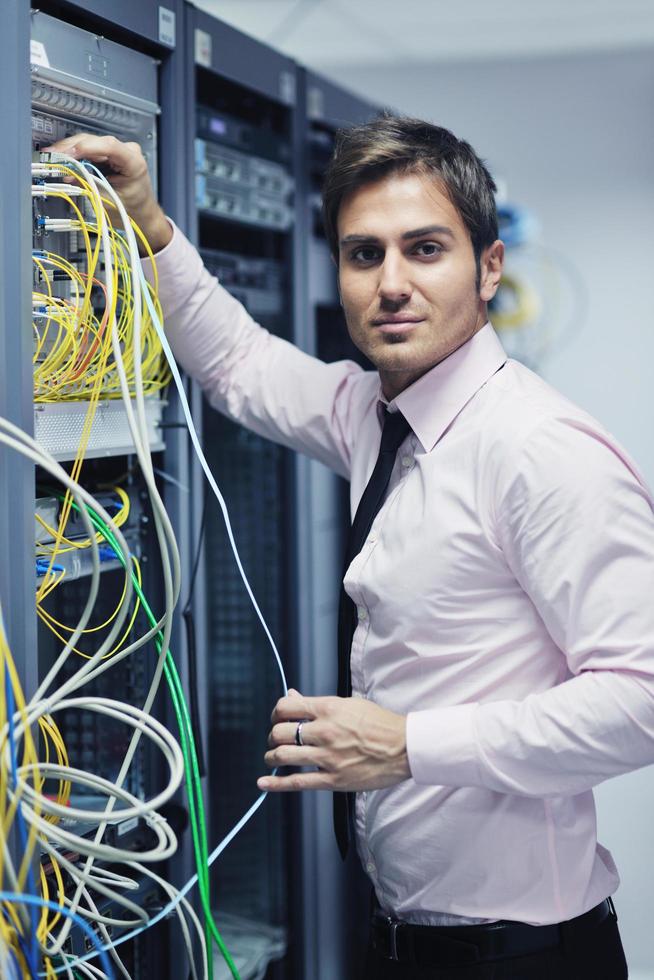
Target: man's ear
{"points": [[491, 266]]}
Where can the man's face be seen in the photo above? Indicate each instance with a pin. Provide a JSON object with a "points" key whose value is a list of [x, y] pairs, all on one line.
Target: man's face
{"points": [[408, 277]]}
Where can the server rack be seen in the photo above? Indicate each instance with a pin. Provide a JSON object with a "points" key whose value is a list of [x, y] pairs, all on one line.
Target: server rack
{"points": [[108, 68], [241, 103]]}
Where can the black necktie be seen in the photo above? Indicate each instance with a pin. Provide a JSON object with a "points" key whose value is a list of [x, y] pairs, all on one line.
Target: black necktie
{"points": [[395, 430]]}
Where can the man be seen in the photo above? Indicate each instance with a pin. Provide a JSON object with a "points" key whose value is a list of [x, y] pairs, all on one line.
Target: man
{"points": [[502, 650]]}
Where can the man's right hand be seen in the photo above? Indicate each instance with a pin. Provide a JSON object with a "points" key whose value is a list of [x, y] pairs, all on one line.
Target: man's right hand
{"points": [[127, 171]]}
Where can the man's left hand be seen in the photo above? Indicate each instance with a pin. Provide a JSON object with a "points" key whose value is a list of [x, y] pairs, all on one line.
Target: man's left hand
{"points": [[355, 744]]}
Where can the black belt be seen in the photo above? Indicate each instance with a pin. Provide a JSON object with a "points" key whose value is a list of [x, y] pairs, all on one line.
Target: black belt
{"points": [[453, 945]]}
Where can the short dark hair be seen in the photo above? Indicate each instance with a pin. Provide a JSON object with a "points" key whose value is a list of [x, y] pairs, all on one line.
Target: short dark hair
{"points": [[392, 144]]}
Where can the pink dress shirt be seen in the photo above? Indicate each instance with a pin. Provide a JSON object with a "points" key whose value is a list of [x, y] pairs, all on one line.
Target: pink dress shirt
{"points": [[505, 597]]}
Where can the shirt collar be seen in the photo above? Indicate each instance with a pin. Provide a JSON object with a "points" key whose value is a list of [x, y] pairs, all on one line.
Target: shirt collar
{"points": [[432, 402]]}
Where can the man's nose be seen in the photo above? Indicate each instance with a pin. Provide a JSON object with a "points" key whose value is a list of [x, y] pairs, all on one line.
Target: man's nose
{"points": [[394, 281]]}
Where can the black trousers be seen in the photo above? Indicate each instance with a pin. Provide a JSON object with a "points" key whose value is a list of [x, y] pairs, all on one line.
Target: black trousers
{"points": [[594, 954]]}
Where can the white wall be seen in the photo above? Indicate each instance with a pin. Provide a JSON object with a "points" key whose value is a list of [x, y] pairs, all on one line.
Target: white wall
{"points": [[574, 139]]}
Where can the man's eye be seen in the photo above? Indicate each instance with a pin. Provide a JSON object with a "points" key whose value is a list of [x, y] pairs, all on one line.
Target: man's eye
{"points": [[428, 249], [364, 254]]}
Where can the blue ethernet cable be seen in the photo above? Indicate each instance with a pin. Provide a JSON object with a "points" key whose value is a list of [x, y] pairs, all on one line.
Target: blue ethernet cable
{"points": [[38, 902]]}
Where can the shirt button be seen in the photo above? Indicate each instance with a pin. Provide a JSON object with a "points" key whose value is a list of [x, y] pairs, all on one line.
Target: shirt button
{"points": [[362, 613], [370, 868], [407, 461]]}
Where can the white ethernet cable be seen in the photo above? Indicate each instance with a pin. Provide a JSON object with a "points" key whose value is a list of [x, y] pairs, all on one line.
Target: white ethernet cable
{"points": [[27, 446], [167, 842], [170, 842], [39, 705], [139, 436], [135, 718], [210, 477], [179, 895], [16, 439], [184, 904], [164, 530], [184, 403], [171, 891], [94, 914], [98, 886]]}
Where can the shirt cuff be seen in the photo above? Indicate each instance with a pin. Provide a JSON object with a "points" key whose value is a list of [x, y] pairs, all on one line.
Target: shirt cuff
{"points": [[442, 747]]}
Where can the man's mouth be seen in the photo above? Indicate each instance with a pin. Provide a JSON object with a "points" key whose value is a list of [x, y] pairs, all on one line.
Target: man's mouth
{"points": [[394, 323]]}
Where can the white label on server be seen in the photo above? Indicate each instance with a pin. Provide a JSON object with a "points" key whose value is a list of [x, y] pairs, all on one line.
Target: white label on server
{"points": [[38, 54], [202, 48], [126, 826], [167, 26]]}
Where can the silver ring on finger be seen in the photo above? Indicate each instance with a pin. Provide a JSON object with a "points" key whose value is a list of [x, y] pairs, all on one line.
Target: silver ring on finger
{"points": [[298, 733]]}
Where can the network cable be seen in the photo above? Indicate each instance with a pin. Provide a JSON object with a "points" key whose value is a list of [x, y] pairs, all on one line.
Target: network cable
{"points": [[163, 528], [119, 365], [109, 320], [123, 312]]}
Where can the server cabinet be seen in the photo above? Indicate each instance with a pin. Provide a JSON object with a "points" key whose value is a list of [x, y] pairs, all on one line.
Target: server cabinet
{"points": [[108, 69], [242, 109]]}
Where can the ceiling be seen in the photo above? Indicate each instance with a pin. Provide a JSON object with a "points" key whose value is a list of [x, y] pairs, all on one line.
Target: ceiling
{"points": [[326, 34]]}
